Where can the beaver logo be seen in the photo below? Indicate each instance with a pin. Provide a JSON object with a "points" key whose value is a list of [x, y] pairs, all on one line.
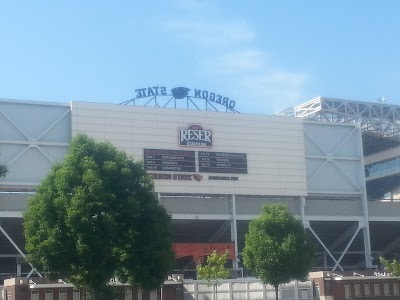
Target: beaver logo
{"points": [[197, 177], [180, 92]]}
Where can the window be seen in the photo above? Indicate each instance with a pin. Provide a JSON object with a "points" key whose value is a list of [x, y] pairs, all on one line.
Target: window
{"points": [[377, 289], [48, 295], [367, 289], [35, 295], [77, 295], [63, 295], [396, 289], [357, 290], [347, 291], [128, 293], [382, 167], [386, 289]]}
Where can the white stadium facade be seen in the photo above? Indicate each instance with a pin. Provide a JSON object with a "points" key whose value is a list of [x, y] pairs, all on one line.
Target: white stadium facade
{"points": [[335, 163]]}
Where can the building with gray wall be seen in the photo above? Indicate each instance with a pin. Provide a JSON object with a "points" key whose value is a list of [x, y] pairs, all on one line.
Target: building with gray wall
{"points": [[317, 168]]}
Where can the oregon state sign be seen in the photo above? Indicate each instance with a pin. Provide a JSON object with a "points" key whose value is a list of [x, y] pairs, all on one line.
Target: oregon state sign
{"points": [[183, 92]]}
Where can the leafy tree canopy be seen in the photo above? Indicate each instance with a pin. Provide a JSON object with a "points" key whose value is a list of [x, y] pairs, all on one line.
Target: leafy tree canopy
{"points": [[96, 217], [393, 267], [277, 248], [214, 268]]}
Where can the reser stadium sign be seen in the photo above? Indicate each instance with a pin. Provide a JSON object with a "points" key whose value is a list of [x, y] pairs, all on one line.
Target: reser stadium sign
{"points": [[184, 92], [195, 136]]}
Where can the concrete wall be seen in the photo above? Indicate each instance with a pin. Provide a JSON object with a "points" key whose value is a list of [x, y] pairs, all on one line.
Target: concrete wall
{"points": [[384, 155], [197, 205], [253, 206], [14, 202], [285, 156], [246, 289], [274, 145], [333, 207], [220, 205], [381, 210]]}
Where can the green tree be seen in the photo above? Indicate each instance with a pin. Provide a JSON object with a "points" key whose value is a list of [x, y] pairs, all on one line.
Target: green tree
{"points": [[3, 170], [277, 248], [393, 267], [214, 269], [95, 217]]}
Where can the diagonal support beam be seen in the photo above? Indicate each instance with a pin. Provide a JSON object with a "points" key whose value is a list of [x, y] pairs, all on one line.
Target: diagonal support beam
{"points": [[315, 142], [344, 140], [344, 237], [347, 248], [54, 124], [220, 231], [349, 178], [14, 124], [323, 245], [19, 250], [317, 171], [30, 273], [12, 242], [392, 245]]}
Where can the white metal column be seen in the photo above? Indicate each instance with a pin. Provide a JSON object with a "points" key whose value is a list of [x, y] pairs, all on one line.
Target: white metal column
{"points": [[367, 237], [302, 211], [235, 262]]}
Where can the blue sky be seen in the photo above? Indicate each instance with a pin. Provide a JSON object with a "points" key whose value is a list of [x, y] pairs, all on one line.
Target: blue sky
{"points": [[267, 55]]}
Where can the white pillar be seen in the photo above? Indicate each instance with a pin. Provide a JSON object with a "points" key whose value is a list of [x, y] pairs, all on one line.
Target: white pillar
{"points": [[367, 237], [302, 210], [325, 261], [235, 263], [19, 272]]}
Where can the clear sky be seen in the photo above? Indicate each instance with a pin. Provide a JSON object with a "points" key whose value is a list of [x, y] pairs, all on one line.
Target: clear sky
{"points": [[267, 55]]}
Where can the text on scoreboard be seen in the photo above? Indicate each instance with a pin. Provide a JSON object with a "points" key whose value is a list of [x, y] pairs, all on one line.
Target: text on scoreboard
{"points": [[185, 161], [169, 160]]}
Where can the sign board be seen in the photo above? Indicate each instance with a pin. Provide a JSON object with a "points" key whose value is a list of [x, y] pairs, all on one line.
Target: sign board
{"points": [[169, 160], [195, 136], [222, 162], [185, 161], [182, 92]]}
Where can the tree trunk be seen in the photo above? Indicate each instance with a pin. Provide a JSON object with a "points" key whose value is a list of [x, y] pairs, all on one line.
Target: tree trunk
{"points": [[276, 291]]}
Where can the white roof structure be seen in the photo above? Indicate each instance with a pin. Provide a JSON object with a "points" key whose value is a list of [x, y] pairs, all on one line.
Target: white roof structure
{"points": [[378, 118]]}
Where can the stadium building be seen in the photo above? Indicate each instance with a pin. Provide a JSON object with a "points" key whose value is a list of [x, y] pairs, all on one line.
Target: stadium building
{"points": [[335, 163]]}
